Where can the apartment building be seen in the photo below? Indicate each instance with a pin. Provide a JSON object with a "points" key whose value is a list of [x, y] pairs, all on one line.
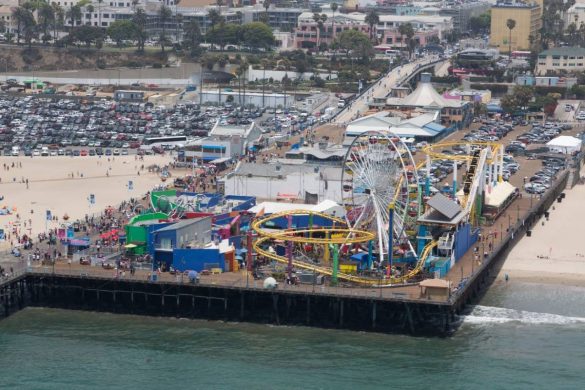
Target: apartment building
{"points": [[528, 17], [561, 59]]}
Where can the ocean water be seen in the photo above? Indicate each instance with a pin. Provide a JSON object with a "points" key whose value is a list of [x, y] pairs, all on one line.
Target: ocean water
{"points": [[520, 336]]}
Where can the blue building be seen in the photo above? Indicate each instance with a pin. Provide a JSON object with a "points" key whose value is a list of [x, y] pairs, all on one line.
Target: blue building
{"points": [[187, 233]]}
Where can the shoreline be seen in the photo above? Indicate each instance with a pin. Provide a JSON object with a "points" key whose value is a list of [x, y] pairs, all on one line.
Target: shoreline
{"points": [[554, 254]]}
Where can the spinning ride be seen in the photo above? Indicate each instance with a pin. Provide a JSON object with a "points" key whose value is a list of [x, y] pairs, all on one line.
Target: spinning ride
{"points": [[380, 189]]}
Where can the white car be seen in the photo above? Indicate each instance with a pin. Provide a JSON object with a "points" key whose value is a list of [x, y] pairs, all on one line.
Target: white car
{"points": [[36, 152]]}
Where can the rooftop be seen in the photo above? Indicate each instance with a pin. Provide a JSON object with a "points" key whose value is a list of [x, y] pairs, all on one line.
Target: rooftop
{"points": [[181, 224], [276, 170], [564, 51]]}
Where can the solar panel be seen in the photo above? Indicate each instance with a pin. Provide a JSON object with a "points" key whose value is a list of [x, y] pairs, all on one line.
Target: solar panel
{"points": [[444, 206]]}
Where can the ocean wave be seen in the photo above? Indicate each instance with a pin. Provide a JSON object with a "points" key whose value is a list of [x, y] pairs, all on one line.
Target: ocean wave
{"points": [[480, 315]]}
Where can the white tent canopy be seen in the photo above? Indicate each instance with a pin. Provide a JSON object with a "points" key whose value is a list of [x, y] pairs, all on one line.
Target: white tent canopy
{"points": [[564, 144], [498, 194]]}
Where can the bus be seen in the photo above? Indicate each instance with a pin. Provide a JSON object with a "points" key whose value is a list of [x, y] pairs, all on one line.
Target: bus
{"points": [[165, 140], [163, 143], [521, 54]]}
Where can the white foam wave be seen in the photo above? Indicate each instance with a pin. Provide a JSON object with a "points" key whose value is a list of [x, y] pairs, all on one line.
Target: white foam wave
{"points": [[498, 315]]}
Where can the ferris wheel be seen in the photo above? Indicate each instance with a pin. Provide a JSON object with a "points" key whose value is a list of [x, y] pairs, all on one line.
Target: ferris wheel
{"points": [[379, 173]]}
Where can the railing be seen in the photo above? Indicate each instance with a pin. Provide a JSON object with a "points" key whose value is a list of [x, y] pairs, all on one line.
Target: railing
{"points": [[404, 292]]}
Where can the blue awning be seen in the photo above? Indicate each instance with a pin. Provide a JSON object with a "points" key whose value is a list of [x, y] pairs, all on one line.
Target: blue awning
{"points": [[213, 147]]}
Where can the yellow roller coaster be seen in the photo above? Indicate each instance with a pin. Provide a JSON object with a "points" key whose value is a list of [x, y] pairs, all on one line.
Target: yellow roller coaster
{"points": [[335, 235]]}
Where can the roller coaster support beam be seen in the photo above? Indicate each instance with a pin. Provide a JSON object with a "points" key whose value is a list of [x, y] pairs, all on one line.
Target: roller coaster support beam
{"points": [[455, 180], [370, 250], [335, 249], [428, 177], [249, 258], [289, 250], [390, 239]]}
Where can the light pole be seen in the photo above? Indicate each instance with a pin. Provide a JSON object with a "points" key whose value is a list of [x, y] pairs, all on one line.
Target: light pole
{"points": [[5, 68]]}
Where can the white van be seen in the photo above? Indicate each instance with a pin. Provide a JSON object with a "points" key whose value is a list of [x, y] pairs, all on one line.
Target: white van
{"points": [[15, 151], [45, 151]]}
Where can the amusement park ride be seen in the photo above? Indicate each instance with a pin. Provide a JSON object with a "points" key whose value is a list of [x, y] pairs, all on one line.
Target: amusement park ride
{"points": [[391, 220]]}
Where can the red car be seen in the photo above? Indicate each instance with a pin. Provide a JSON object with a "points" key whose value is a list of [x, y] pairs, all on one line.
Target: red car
{"points": [[83, 153]]}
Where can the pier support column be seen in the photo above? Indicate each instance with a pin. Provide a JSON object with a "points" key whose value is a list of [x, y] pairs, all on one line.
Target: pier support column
{"points": [[341, 307], [308, 319], [374, 313], [409, 318], [275, 308]]}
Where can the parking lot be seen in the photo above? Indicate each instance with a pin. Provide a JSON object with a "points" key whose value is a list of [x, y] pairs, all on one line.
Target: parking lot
{"points": [[34, 126]]}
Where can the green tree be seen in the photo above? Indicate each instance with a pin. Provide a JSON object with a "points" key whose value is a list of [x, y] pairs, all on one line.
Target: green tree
{"points": [[372, 19], [258, 35], [355, 43], [121, 30], [139, 18], [164, 14], [480, 24], [87, 34], [511, 24]]}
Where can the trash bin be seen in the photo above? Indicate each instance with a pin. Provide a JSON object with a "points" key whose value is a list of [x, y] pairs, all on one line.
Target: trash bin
{"points": [[528, 233], [154, 277]]}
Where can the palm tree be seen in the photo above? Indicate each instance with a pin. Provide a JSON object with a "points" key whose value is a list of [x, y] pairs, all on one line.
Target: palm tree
{"points": [[320, 19], [334, 7], [192, 33], [510, 23], [100, 12], [266, 6], [19, 14], [407, 30], [74, 14], [58, 19], [372, 19], [214, 17], [46, 17], [164, 14], [139, 19]]}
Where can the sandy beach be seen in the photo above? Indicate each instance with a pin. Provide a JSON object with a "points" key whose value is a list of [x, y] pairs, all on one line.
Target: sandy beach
{"points": [[51, 186], [556, 251]]}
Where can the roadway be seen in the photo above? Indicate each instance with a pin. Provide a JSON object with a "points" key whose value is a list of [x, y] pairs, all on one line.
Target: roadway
{"points": [[381, 88]]}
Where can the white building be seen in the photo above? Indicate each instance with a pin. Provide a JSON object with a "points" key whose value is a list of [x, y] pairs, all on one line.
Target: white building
{"points": [[224, 142], [309, 183]]}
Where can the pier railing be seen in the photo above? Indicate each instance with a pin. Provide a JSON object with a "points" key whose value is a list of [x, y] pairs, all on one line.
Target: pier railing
{"points": [[516, 232], [402, 292]]}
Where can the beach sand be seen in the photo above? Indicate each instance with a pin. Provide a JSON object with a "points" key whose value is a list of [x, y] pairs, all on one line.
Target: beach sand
{"points": [[52, 188], [555, 253]]}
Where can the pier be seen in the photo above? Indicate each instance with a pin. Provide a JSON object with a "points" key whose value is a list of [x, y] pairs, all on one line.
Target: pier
{"points": [[397, 309]]}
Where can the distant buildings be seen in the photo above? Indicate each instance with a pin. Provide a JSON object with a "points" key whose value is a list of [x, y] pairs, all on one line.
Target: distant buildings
{"points": [[308, 34], [565, 59], [528, 18]]}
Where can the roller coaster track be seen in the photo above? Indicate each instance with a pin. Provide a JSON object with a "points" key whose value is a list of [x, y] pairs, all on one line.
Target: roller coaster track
{"points": [[334, 235]]}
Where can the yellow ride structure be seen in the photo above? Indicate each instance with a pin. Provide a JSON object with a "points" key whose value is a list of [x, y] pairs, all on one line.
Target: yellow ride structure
{"points": [[341, 235]]}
